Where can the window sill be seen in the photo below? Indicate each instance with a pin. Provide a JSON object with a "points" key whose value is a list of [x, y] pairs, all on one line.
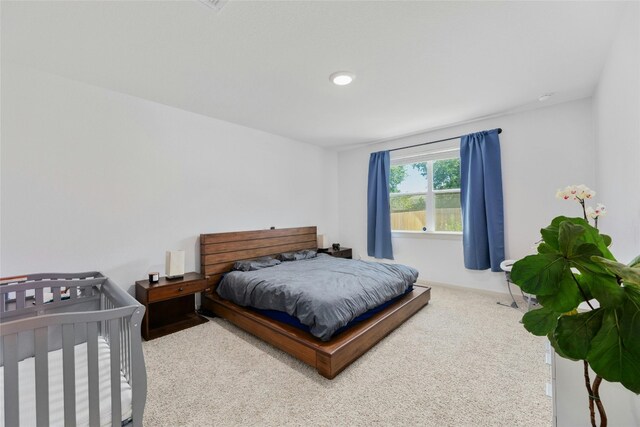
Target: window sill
{"points": [[447, 235]]}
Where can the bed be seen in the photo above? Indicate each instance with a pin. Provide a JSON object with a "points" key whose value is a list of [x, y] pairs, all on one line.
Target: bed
{"points": [[220, 251], [71, 352]]}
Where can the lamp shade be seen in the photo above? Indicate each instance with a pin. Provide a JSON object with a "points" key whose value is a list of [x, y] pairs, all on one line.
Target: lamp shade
{"points": [[323, 241], [174, 264]]}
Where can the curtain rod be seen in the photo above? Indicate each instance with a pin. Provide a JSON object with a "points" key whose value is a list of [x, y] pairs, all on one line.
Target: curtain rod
{"points": [[432, 142]]}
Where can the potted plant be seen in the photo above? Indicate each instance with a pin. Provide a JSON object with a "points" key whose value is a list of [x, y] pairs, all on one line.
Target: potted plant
{"points": [[574, 266]]}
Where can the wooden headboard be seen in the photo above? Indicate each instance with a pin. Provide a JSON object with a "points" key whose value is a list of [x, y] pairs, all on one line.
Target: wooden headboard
{"points": [[219, 251]]}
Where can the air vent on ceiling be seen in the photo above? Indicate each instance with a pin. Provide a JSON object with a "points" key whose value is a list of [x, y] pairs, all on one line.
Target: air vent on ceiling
{"points": [[216, 5]]}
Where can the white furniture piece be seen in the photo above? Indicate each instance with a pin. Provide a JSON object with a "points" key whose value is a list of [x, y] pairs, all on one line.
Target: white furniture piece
{"points": [[506, 266], [570, 400]]}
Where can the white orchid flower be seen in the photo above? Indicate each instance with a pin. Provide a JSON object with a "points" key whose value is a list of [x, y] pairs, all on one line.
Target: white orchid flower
{"points": [[596, 213], [575, 192], [584, 192], [580, 193], [568, 193]]}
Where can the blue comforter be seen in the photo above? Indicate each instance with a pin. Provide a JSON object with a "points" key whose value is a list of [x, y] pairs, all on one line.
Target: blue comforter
{"points": [[324, 293]]}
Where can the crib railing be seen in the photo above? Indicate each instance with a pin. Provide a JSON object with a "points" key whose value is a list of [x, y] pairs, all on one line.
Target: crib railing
{"points": [[28, 320], [15, 298]]}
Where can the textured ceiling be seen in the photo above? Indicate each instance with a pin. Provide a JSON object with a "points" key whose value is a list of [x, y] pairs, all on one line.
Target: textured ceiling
{"points": [[266, 65]]}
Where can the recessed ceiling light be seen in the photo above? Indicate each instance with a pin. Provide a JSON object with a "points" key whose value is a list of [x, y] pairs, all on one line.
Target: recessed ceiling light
{"points": [[545, 96], [217, 5], [342, 78]]}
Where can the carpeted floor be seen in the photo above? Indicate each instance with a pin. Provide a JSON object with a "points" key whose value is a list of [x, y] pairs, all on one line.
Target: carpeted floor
{"points": [[463, 360]]}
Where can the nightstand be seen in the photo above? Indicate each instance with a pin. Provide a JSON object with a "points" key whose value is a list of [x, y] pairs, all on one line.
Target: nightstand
{"points": [[170, 304], [340, 253]]}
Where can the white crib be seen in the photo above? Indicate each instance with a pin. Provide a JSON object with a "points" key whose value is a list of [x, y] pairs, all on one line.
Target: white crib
{"points": [[71, 352]]}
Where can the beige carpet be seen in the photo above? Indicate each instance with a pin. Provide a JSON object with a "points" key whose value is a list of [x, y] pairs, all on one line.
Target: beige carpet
{"points": [[460, 361]]}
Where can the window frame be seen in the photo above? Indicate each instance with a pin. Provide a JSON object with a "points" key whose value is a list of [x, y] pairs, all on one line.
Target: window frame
{"points": [[430, 195]]}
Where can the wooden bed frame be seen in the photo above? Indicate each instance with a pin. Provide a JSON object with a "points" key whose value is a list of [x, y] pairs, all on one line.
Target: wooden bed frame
{"points": [[218, 253]]}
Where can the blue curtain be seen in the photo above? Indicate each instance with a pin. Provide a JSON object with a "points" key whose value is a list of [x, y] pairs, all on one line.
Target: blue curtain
{"points": [[378, 213], [481, 197]]}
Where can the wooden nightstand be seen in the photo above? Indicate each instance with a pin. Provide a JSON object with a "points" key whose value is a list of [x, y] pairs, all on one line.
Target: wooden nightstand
{"points": [[340, 253], [170, 304]]}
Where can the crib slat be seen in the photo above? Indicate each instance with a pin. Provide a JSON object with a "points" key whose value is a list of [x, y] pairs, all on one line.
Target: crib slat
{"points": [[123, 339], [114, 344], [39, 296], [69, 373], [20, 297], [42, 376], [56, 293], [10, 357], [73, 292], [92, 359], [122, 346], [128, 341]]}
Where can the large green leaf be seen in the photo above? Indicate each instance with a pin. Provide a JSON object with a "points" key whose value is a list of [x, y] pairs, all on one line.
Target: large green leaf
{"points": [[575, 332], [630, 322], [610, 357], [544, 248], [603, 287], [556, 347], [635, 263], [629, 275], [540, 322], [569, 236], [539, 274], [567, 296], [584, 285], [551, 235], [581, 258]]}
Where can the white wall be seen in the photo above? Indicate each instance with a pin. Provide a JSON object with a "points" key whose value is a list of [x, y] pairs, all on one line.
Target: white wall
{"points": [[94, 179], [617, 114], [542, 150], [617, 117]]}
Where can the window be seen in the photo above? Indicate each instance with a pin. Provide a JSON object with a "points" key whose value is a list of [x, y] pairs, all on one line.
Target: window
{"points": [[424, 192]]}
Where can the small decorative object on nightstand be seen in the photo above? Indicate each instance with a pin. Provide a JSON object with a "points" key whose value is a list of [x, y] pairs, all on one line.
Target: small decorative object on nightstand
{"points": [[340, 253], [170, 304]]}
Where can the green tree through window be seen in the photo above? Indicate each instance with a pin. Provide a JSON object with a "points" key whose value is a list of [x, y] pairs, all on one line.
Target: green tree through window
{"points": [[446, 173], [398, 174]]}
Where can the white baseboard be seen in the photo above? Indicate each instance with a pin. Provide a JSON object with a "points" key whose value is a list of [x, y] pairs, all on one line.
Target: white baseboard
{"points": [[462, 288]]}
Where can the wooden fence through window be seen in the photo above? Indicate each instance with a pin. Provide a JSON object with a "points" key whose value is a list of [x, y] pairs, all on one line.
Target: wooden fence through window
{"points": [[447, 219]]}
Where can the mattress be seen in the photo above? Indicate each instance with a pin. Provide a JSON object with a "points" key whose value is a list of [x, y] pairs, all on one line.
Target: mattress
{"points": [[287, 319], [27, 388], [324, 293]]}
